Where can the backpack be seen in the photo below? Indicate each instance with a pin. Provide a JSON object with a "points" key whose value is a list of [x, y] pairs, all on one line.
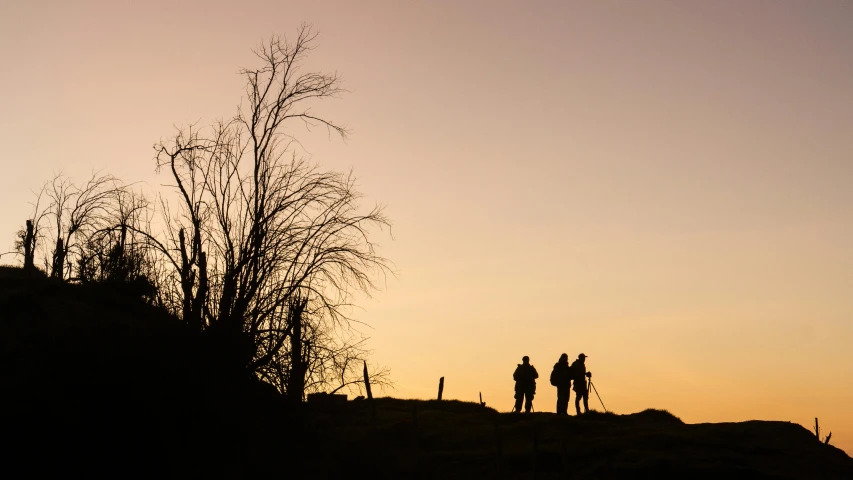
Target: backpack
{"points": [[554, 377]]}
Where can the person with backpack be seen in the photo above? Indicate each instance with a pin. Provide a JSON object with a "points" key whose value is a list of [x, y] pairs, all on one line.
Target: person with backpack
{"points": [[525, 376], [561, 377], [579, 376]]}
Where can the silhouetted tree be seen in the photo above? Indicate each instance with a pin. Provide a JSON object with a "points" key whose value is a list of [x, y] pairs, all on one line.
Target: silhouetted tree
{"points": [[28, 237], [98, 231], [337, 360], [73, 213], [117, 252], [324, 356], [257, 234], [26, 244], [261, 250]]}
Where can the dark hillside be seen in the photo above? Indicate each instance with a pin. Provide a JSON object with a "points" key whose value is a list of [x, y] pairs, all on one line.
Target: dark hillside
{"points": [[96, 383], [462, 440]]}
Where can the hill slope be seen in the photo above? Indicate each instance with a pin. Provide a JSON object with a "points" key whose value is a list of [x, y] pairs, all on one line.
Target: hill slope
{"points": [[95, 382], [464, 440]]}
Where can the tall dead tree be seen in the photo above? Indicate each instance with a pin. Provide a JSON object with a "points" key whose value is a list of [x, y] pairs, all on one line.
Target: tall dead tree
{"points": [[183, 156], [255, 231]]}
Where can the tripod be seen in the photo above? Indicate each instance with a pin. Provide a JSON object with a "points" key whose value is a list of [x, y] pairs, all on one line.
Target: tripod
{"points": [[519, 411], [591, 386]]}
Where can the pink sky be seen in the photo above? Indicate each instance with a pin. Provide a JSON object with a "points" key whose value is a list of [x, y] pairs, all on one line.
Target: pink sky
{"points": [[664, 186]]}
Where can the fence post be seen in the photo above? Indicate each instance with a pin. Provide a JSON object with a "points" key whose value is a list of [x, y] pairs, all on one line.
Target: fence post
{"points": [[440, 387], [369, 396], [367, 382]]}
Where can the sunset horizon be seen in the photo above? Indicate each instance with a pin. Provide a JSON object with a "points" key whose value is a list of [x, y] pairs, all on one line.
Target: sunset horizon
{"points": [[664, 187]]}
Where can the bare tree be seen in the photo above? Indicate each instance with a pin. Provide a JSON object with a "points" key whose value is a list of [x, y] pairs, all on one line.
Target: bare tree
{"points": [[323, 355], [258, 235], [118, 250], [28, 238], [260, 249], [336, 362], [74, 212]]}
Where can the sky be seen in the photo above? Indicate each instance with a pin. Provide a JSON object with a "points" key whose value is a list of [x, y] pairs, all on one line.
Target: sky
{"points": [[664, 186]]}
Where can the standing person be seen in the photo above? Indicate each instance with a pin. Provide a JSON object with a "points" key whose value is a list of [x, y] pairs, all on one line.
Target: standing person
{"points": [[525, 384], [561, 377], [579, 375]]}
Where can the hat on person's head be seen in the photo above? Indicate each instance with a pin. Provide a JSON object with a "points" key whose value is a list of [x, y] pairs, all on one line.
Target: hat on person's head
{"points": [[581, 356], [525, 358]]}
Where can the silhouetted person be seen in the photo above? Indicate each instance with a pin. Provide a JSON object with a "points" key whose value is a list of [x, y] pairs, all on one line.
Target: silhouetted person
{"points": [[525, 384], [579, 375], [561, 377]]}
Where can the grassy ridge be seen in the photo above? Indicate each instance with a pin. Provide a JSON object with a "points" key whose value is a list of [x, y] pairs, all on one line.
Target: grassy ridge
{"points": [[451, 439], [97, 384]]}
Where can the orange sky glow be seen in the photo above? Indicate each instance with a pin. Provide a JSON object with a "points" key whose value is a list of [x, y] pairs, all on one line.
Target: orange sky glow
{"points": [[664, 186]]}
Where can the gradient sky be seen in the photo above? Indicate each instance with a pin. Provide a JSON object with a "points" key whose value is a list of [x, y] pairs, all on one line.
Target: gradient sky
{"points": [[664, 186]]}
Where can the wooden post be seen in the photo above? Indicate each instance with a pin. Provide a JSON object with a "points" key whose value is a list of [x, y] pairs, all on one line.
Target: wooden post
{"points": [[482, 403], [367, 382], [816, 429], [440, 387], [826, 442]]}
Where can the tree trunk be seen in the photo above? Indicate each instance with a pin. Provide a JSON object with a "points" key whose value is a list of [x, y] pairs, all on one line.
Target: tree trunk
{"points": [[193, 304], [58, 260], [186, 280], [29, 247], [296, 382], [201, 294]]}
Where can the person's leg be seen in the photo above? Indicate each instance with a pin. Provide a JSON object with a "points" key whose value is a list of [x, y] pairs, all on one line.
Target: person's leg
{"points": [[578, 402], [559, 402], [529, 403], [561, 394], [562, 401], [585, 401], [518, 397], [568, 398]]}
